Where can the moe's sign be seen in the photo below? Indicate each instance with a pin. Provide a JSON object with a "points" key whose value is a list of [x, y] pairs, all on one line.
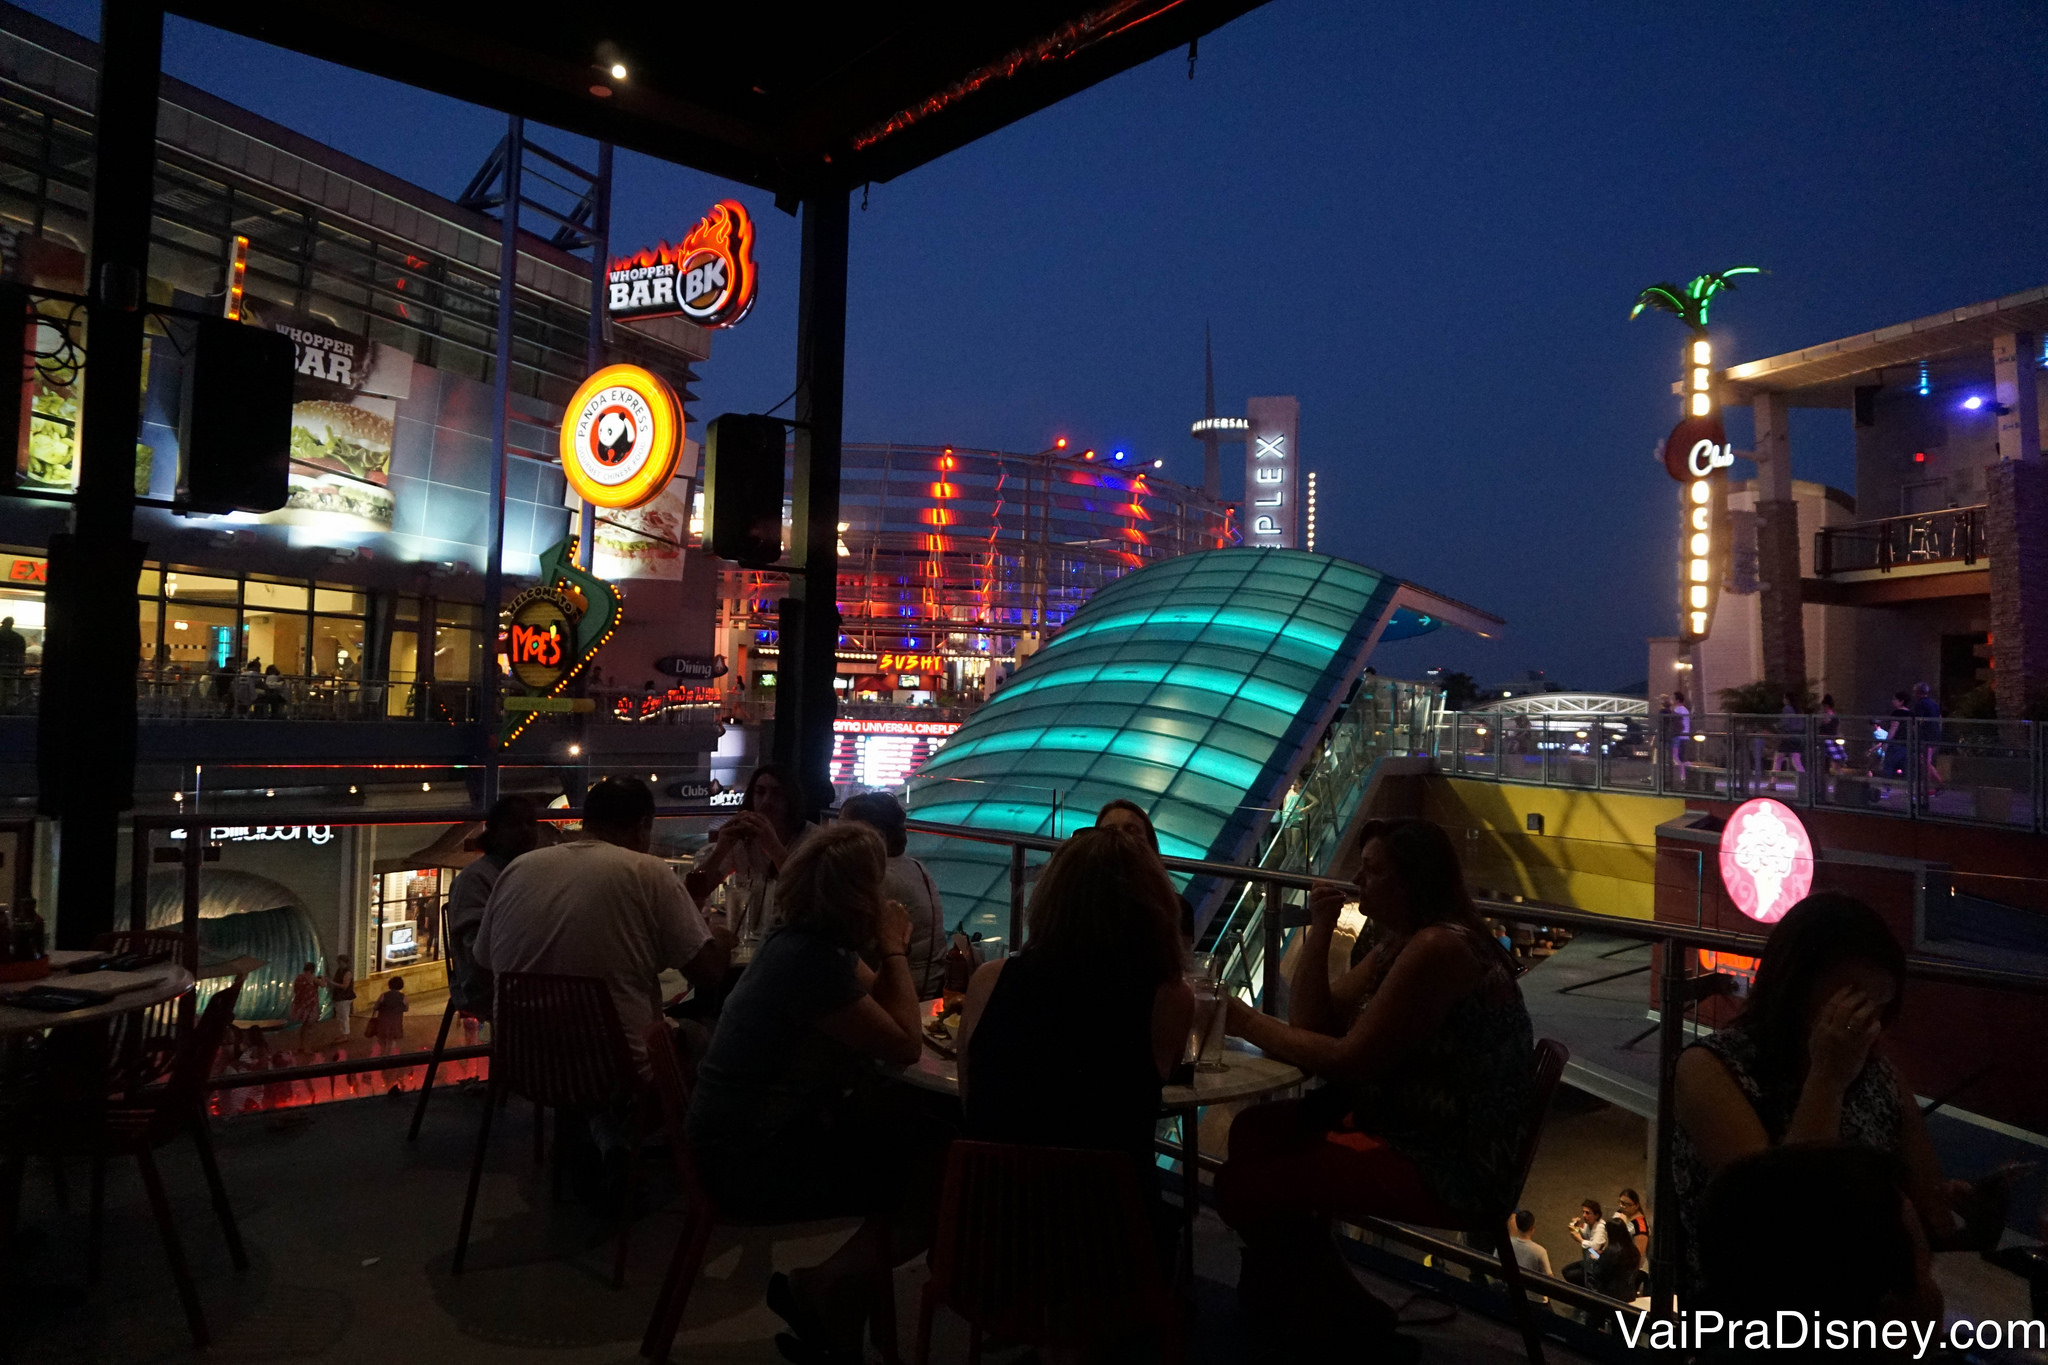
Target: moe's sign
{"points": [[708, 277]]}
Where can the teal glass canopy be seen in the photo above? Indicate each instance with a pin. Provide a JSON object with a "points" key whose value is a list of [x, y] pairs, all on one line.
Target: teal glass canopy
{"points": [[1190, 687]]}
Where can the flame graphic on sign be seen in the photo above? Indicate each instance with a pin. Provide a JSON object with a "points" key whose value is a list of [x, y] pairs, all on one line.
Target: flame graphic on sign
{"points": [[728, 230]]}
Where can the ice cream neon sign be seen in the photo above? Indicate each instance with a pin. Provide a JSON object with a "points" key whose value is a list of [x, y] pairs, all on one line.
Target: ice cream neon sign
{"points": [[1766, 859]]}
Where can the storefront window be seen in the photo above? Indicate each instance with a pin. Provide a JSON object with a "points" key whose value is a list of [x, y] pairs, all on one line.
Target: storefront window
{"points": [[190, 585], [335, 599], [337, 647], [407, 917], [198, 640], [458, 655], [275, 638], [405, 650], [147, 610], [274, 596]]}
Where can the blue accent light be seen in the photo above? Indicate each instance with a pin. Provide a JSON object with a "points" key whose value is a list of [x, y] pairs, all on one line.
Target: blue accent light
{"points": [[1923, 381], [1973, 402]]}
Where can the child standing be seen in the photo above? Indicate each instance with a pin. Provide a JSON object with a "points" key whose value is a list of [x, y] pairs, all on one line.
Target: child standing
{"points": [[387, 1024]]}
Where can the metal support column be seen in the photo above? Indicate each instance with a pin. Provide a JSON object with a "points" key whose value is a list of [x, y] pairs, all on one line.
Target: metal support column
{"points": [[501, 399], [1016, 930], [1664, 1244], [804, 703], [600, 261], [1269, 967], [86, 721]]}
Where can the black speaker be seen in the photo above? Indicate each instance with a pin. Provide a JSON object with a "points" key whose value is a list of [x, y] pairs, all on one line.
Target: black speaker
{"points": [[743, 488], [235, 419], [16, 321]]}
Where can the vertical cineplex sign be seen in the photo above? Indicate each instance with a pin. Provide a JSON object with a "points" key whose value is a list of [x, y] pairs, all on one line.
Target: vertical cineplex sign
{"points": [[1272, 474], [1697, 450]]}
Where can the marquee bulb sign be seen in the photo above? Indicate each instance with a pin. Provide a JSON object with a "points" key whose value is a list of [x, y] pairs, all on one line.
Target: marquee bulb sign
{"points": [[621, 437], [708, 277], [1766, 859], [1697, 449]]}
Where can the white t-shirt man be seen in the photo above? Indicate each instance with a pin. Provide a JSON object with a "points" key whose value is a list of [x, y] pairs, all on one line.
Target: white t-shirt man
{"points": [[906, 882], [592, 908], [1534, 1259]]}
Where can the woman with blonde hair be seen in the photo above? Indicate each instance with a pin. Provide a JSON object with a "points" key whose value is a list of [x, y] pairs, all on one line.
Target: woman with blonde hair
{"points": [[1067, 1042], [790, 1121]]}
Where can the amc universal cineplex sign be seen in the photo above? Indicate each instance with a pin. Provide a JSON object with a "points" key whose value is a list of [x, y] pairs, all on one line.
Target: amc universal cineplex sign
{"points": [[708, 277], [1272, 473]]}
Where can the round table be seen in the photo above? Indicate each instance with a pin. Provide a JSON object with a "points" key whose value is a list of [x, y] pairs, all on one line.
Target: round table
{"points": [[1246, 1075], [151, 986]]}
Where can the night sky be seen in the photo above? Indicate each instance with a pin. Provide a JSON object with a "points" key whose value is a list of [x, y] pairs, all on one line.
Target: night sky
{"points": [[1427, 222]]}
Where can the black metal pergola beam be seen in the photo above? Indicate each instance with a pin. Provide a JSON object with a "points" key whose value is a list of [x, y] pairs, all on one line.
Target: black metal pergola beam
{"points": [[789, 98]]}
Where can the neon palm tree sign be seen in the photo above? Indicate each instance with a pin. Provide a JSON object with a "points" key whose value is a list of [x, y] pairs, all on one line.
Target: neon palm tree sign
{"points": [[1697, 446]]}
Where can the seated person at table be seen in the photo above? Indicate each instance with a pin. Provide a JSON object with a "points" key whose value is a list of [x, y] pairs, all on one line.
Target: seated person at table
{"points": [[602, 906], [1067, 1042], [1129, 815], [751, 848], [1428, 1053], [909, 885], [791, 1120], [1803, 1063], [1873, 1269]]}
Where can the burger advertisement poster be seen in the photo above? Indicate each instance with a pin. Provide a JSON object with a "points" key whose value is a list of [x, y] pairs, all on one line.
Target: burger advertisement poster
{"points": [[344, 416], [647, 541]]}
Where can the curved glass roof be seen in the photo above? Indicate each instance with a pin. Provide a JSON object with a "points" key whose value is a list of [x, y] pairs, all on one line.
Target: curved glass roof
{"points": [[1190, 687]]}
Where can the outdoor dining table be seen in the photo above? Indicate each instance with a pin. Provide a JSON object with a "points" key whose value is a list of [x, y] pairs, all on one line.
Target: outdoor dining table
{"points": [[138, 990], [1245, 1074]]}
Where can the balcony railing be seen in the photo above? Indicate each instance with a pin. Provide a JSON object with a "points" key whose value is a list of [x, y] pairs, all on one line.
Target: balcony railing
{"points": [[1953, 536], [1986, 772]]}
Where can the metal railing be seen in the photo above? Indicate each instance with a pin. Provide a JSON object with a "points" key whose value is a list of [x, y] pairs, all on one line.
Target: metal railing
{"points": [[1955, 535], [1678, 946], [1981, 772]]}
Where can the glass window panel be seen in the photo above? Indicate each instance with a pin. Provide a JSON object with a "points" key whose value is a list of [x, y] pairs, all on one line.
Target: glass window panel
{"points": [[147, 609], [457, 613], [337, 599], [337, 647], [458, 655], [198, 639], [275, 637], [149, 583], [277, 596], [188, 585]]}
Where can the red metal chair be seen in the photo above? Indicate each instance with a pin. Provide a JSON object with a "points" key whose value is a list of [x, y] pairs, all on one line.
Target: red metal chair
{"points": [[136, 1125], [1491, 1232], [673, 1082], [1047, 1245], [557, 1041]]}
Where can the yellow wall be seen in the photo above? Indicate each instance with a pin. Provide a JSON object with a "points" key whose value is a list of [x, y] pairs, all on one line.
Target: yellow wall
{"points": [[1597, 852]]}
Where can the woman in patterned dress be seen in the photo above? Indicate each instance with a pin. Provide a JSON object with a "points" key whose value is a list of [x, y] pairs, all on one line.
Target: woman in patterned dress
{"points": [[1802, 1064], [1428, 1054]]}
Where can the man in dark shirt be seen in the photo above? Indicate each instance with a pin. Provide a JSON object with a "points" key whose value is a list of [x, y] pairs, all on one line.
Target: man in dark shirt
{"points": [[13, 658]]}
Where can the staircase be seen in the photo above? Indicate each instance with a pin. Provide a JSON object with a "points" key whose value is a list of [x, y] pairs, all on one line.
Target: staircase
{"points": [[1384, 719]]}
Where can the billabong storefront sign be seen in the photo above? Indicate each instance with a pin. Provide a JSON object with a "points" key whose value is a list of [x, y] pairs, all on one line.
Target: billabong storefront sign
{"points": [[621, 437], [708, 277]]}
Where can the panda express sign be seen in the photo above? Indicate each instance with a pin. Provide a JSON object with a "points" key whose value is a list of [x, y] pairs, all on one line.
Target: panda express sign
{"points": [[708, 277]]}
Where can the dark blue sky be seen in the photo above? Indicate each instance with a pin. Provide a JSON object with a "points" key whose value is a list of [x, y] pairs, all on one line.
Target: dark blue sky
{"points": [[1428, 222]]}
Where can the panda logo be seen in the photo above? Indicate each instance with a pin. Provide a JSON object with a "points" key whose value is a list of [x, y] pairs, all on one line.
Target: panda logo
{"points": [[615, 437]]}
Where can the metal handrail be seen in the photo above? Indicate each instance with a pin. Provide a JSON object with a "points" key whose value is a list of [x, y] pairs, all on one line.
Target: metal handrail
{"points": [[1963, 528], [1675, 984]]}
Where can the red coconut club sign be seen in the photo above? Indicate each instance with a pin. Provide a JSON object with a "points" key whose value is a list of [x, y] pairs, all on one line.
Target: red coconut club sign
{"points": [[1766, 859], [708, 277]]}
